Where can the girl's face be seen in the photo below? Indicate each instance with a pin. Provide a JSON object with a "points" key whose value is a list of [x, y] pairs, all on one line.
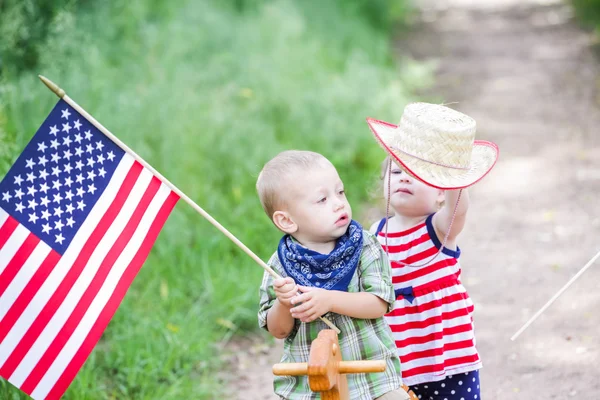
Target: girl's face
{"points": [[409, 196]]}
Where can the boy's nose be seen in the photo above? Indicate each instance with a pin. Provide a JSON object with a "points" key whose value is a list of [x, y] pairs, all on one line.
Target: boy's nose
{"points": [[338, 206]]}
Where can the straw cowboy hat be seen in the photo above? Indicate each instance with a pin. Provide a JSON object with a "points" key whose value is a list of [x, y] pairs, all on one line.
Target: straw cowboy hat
{"points": [[436, 145]]}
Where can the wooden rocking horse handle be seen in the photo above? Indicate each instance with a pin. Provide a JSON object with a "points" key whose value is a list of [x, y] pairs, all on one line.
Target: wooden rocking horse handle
{"points": [[344, 367], [291, 369], [357, 367]]}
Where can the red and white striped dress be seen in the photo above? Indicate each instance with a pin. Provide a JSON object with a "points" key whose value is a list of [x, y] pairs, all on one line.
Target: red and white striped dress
{"points": [[434, 334]]}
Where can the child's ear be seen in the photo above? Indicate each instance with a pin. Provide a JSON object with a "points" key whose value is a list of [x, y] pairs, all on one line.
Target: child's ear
{"points": [[441, 198], [284, 222]]}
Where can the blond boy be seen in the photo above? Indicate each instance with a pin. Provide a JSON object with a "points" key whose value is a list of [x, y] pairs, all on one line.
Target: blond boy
{"points": [[330, 267]]}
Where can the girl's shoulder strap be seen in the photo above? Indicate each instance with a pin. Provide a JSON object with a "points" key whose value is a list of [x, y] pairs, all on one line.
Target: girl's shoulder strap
{"points": [[381, 225]]}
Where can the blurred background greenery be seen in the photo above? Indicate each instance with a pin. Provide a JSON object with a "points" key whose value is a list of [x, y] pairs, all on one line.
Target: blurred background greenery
{"points": [[206, 91], [588, 12]]}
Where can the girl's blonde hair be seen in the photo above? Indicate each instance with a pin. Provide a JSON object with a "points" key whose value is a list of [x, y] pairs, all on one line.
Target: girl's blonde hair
{"points": [[384, 167]]}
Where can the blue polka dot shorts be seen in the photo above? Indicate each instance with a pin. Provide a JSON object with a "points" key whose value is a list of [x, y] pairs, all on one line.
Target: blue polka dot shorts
{"points": [[453, 387]]}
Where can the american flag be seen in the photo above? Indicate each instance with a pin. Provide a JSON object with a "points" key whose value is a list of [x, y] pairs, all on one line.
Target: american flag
{"points": [[78, 217]]}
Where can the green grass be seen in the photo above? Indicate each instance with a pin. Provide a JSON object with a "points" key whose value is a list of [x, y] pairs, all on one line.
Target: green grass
{"points": [[207, 92]]}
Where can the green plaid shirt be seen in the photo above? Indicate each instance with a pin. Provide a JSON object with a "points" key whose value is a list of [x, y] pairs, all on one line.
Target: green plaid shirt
{"points": [[360, 339]]}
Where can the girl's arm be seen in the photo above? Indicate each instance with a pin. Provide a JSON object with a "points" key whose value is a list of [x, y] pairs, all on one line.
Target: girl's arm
{"points": [[443, 218]]}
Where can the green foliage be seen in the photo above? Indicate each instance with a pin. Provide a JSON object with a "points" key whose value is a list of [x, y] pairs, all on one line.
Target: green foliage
{"points": [[588, 11], [379, 14], [23, 26], [207, 92]]}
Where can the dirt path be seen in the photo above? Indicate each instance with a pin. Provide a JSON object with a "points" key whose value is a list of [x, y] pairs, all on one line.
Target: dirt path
{"points": [[526, 73]]}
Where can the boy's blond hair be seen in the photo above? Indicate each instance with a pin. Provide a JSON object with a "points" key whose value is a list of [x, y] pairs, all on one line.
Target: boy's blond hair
{"points": [[273, 183]]}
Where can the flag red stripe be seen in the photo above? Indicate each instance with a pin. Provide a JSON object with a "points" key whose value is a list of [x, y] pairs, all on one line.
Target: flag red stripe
{"points": [[7, 229], [28, 293], [111, 306], [15, 264], [69, 280], [94, 287]]}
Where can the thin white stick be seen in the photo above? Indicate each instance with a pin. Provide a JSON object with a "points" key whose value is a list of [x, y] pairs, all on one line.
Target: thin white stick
{"points": [[61, 93], [573, 279]]}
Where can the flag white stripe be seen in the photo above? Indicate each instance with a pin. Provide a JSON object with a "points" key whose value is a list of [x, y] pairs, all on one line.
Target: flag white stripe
{"points": [[64, 264], [75, 341], [29, 268], [83, 282], [3, 216], [12, 245]]}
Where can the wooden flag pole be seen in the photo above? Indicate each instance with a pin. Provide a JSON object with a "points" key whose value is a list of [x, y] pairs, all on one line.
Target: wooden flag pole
{"points": [[61, 93]]}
